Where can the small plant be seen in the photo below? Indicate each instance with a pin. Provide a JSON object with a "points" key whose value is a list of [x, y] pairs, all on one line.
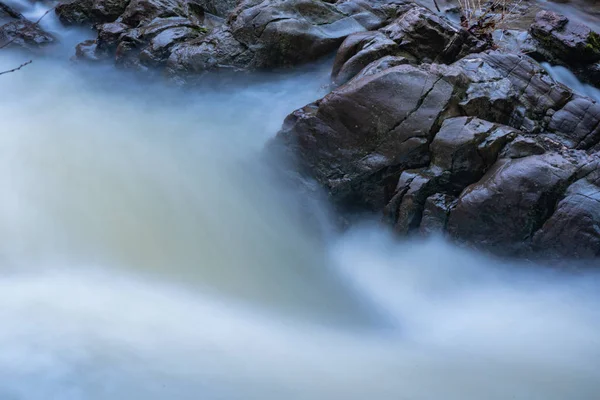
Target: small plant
{"points": [[483, 17]]}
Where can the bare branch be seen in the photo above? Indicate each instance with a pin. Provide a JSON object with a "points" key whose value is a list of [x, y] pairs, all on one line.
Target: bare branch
{"points": [[14, 38], [42, 17], [16, 69]]}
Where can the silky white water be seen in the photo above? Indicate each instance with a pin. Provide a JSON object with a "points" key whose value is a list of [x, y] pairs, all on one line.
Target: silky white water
{"points": [[148, 251]]}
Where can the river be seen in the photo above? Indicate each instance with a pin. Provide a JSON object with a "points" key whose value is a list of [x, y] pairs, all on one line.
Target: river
{"points": [[149, 251]]}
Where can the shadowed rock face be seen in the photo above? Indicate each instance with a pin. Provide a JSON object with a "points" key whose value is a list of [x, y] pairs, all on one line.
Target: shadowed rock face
{"points": [[489, 150]]}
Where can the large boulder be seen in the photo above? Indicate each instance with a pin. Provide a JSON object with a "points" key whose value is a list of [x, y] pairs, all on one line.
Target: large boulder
{"points": [[358, 139], [489, 150]]}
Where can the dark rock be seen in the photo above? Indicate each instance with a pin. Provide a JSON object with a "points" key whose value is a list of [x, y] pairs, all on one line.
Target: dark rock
{"points": [[89, 12], [88, 50], [466, 147], [435, 213], [509, 89], [218, 50], [577, 123], [141, 12], [462, 151], [255, 35], [381, 65], [358, 139], [7, 11], [573, 230], [565, 40], [289, 32], [150, 45], [222, 8], [522, 147], [417, 34], [373, 14], [358, 51], [410, 141], [25, 34], [414, 187], [510, 203]]}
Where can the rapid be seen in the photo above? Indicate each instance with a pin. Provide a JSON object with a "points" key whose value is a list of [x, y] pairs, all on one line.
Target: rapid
{"points": [[149, 249]]}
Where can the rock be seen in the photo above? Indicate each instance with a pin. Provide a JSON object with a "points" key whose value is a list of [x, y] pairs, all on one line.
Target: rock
{"points": [[358, 51], [256, 34], [141, 48], [417, 34], [25, 34], [466, 147], [89, 12], [461, 152], [515, 41], [430, 38], [577, 123], [484, 149], [569, 42], [435, 213], [510, 203], [373, 14], [282, 33], [221, 8], [7, 11], [522, 147], [141, 12], [88, 50], [358, 139], [218, 50], [381, 65], [573, 230], [509, 89], [150, 45]]}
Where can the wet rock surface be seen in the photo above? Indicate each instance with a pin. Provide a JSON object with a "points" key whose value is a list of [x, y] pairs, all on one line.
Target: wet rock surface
{"points": [[497, 154], [25, 34], [7, 12], [559, 40], [243, 35], [417, 34], [426, 126]]}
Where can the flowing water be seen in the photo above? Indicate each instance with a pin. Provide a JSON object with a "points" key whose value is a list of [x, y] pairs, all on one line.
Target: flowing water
{"points": [[148, 251]]}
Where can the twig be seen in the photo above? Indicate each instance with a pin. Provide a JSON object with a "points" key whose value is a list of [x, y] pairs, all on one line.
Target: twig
{"points": [[46, 13], [16, 69], [36, 23]]}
